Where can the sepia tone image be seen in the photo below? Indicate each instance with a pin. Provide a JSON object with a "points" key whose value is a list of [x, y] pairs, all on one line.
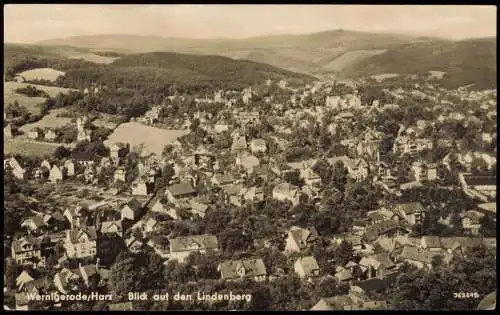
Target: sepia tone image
{"points": [[249, 157]]}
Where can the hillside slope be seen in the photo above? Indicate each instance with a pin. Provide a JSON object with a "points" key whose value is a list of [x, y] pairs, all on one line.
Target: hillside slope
{"points": [[154, 70], [464, 62], [343, 53], [304, 53]]}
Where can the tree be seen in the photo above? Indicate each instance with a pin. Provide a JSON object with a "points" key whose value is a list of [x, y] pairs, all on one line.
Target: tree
{"points": [[344, 253], [12, 271], [326, 287], [488, 226], [195, 124], [294, 178], [324, 170], [123, 276], [61, 152], [339, 179], [233, 240]]}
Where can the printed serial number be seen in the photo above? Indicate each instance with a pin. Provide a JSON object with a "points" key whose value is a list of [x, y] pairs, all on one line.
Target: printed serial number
{"points": [[465, 295]]}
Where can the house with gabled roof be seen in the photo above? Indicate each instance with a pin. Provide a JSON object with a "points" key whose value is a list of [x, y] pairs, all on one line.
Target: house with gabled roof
{"points": [[50, 135], [299, 239], [356, 168], [70, 167], [180, 191], [286, 191], [411, 212], [258, 146], [118, 150], [120, 174], [34, 223], [57, 173], [81, 242], [141, 188], [247, 161], [34, 134], [422, 171], [421, 258], [134, 244], [239, 144], [26, 250], [181, 247], [198, 207], [306, 267], [243, 269], [15, 167], [384, 228], [378, 265], [83, 158], [113, 227], [23, 278], [131, 210], [432, 243], [471, 221], [222, 180], [343, 274]]}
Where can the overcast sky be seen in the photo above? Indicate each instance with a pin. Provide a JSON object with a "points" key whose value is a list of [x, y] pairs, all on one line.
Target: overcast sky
{"points": [[24, 23]]}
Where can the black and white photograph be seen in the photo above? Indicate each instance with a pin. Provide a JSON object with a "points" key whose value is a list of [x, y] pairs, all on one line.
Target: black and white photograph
{"points": [[249, 157]]}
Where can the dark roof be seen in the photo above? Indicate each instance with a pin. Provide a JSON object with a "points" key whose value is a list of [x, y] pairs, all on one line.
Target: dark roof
{"points": [[134, 204], [58, 216], [82, 156], [374, 230], [432, 241], [480, 180], [410, 208], [224, 178], [181, 189], [377, 284]]}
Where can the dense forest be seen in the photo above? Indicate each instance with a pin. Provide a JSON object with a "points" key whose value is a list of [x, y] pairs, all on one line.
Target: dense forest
{"points": [[150, 71]]}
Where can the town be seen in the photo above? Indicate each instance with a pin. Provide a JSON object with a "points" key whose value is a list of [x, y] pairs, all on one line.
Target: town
{"points": [[332, 195]]}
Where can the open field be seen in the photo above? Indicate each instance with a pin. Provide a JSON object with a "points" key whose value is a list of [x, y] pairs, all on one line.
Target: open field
{"points": [[10, 96], [380, 77], [153, 139], [437, 74], [52, 91], [91, 57], [20, 146], [351, 57], [31, 103], [41, 74], [48, 121]]}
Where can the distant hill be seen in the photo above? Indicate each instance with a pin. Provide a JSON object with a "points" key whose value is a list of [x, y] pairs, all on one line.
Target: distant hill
{"points": [[16, 53], [342, 53], [464, 62], [303, 53], [145, 71]]}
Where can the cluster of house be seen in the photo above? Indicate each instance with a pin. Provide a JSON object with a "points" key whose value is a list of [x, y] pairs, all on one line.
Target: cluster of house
{"points": [[381, 239], [79, 164], [84, 133]]}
